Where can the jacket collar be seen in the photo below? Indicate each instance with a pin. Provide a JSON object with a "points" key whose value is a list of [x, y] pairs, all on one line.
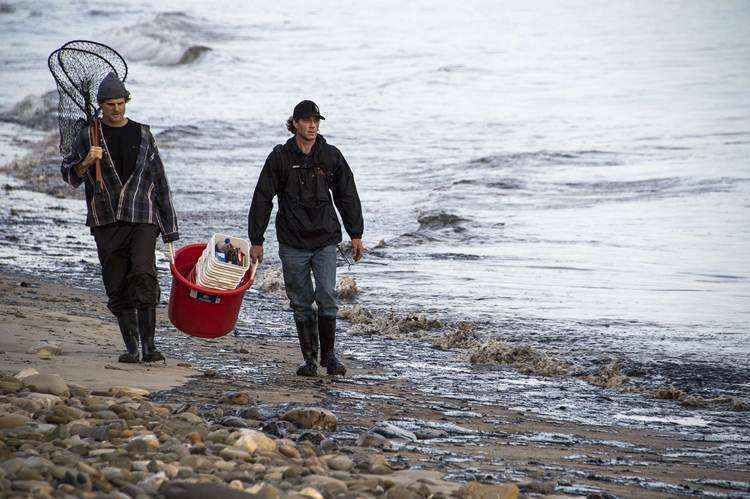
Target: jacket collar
{"points": [[291, 144]]}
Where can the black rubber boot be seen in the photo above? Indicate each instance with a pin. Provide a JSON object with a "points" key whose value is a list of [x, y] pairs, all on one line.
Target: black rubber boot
{"points": [[147, 329], [327, 332], [308, 343], [129, 331]]}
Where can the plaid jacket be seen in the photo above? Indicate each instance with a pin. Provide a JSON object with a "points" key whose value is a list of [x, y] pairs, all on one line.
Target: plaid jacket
{"points": [[144, 198]]}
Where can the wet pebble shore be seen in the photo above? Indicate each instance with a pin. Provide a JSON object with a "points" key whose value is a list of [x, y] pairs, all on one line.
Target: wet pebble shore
{"points": [[60, 440]]}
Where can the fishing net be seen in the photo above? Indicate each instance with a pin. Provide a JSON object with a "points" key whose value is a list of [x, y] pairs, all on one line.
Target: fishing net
{"points": [[79, 67]]}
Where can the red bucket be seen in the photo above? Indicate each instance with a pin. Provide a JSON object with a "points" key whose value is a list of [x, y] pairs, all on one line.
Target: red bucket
{"points": [[199, 311]]}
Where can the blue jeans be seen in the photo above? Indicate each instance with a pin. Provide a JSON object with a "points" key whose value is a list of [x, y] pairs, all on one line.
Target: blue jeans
{"points": [[296, 265]]}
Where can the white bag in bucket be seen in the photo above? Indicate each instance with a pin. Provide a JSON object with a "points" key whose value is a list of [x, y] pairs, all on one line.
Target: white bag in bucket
{"points": [[210, 272]]}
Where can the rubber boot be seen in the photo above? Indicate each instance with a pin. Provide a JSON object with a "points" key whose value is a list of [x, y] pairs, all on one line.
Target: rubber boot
{"points": [[147, 329], [129, 331], [327, 332], [308, 343]]}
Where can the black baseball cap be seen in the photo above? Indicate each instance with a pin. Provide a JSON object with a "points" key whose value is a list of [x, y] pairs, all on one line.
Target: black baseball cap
{"points": [[305, 109]]}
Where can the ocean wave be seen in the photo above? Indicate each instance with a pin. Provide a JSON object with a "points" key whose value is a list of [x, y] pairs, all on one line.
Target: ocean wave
{"points": [[169, 39], [653, 188], [439, 219], [544, 158], [504, 184], [34, 111]]}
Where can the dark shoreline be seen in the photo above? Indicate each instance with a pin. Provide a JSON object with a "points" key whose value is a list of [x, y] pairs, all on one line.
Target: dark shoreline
{"points": [[462, 441]]}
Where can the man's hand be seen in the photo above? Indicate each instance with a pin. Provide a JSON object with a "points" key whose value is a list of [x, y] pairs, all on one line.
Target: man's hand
{"points": [[358, 249], [94, 154], [256, 253]]}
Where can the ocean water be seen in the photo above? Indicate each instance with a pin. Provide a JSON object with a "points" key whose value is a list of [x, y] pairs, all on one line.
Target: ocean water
{"points": [[574, 175]]}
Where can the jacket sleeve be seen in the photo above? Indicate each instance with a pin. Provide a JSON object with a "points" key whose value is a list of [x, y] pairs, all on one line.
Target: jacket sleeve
{"points": [[77, 154], [346, 198], [166, 215], [262, 204]]}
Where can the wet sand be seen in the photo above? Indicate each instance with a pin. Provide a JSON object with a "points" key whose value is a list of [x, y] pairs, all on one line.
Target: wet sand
{"points": [[461, 441]]}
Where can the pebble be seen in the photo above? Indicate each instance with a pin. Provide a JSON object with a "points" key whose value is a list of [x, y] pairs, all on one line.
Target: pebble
{"points": [[374, 440], [340, 463], [235, 398], [327, 485], [476, 490], [12, 421], [47, 383], [311, 418], [253, 440], [392, 431]]}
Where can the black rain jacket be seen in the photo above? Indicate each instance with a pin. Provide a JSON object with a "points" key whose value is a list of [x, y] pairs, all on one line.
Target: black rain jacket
{"points": [[307, 187]]}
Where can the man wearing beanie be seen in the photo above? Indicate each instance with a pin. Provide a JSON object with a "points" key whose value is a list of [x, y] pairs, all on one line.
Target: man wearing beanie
{"points": [[309, 176], [125, 215]]}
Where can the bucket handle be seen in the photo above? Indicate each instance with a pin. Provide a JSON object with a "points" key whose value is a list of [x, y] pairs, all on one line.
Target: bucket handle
{"points": [[255, 267]]}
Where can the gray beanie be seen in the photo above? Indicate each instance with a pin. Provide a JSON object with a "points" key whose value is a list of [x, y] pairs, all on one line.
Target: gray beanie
{"points": [[111, 88]]}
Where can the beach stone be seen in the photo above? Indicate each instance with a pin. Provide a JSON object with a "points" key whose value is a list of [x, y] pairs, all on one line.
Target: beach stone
{"points": [[234, 454], [47, 383], [63, 414], [221, 465], [186, 490], [311, 492], [190, 418], [46, 399], [253, 440], [311, 418], [24, 403], [278, 428], [12, 466], [314, 437], [10, 385], [154, 482], [112, 473], [25, 373], [46, 350], [263, 491], [233, 422], [235, 398], [78, 390], [9, 421], [218, 436], [251, 413], [195, 462], [379, 465], [340, 463], [374, 440], [143, 443], [306, 449], [33, 487], [327, 485], [476, 490], [127, 391], [287, 448], [392, 431], [101, 452], [402, 492]]}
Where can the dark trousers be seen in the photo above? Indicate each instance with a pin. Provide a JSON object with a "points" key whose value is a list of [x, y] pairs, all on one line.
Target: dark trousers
{"points": [[127, 254]]}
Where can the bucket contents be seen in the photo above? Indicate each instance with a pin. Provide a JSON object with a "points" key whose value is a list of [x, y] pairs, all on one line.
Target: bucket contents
{"points": [[223, 263]]}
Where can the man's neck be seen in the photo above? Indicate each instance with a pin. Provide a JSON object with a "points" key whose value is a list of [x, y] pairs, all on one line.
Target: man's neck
{"points": [[115, 124], [304, 145]]}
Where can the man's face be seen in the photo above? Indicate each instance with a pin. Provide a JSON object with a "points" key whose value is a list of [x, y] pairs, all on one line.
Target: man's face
{"points": [[113, 111], [307, 128]]}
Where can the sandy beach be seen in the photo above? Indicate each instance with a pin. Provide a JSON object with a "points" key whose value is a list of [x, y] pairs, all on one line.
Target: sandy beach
{"points": [[56, 329]]}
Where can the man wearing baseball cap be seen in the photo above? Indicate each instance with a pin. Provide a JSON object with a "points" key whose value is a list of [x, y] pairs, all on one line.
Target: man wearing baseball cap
{"points": [[310, 177]]}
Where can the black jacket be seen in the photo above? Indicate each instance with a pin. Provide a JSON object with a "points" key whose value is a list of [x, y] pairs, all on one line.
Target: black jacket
{"points": [[306, 218]]}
